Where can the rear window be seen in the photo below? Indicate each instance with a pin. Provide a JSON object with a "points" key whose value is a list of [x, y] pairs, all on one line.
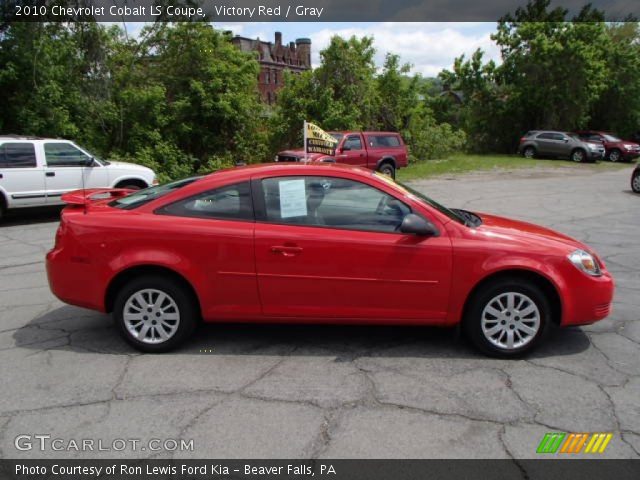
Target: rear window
{"points": [[17, 155], [383, 141], [147, 195]]}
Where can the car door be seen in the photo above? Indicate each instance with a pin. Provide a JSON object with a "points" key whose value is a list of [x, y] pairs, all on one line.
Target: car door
{"points": [[70, 168], [213, 231], [21, 177], [353, 151], [546, 144], [329, 247]]}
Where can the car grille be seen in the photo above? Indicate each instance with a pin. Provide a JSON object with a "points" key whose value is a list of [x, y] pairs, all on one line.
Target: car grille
{"points": [[603, 309], [287, 158]]}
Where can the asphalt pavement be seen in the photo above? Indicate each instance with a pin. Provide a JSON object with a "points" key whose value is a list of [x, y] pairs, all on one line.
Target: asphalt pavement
{"points": [[260, 391]]}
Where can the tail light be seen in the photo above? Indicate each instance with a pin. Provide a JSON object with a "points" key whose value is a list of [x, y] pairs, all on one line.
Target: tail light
{"points": [[522, 139]]}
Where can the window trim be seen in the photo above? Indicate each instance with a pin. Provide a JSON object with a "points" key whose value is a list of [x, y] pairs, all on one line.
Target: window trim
{"points": [[260, 212], [162, 209], [350, 137]]}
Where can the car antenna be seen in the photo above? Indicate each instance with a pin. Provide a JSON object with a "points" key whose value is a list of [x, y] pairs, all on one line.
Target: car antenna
{"points": [[84, 193]]}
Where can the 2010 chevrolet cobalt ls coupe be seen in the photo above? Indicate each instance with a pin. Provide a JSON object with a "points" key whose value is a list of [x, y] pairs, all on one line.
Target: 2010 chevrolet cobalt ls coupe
{"points": [[316, 243]]}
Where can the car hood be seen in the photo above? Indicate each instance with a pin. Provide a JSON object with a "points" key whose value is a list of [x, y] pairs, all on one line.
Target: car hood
{"points": [[526, 233], [128, 166]]}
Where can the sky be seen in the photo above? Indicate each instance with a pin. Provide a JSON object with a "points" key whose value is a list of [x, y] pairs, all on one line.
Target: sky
{"points": [[428, 47]]}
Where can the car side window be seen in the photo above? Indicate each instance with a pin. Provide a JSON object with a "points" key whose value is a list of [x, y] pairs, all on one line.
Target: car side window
{"points": [[64, 155], [331, 202], [353, 143], [558, 136], [232, 202], [17, 155], [545, 136], [383, 141]]}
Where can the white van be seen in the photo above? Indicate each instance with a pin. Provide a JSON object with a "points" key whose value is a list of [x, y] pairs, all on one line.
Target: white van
{"points": [[37, 171]]}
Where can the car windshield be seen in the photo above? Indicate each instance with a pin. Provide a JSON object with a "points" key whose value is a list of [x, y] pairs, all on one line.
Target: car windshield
{"points": [[337, 136], [141, 197], [432, 203], [611, 138]]}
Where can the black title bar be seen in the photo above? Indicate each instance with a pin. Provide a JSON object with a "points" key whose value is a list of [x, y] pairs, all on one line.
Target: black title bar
{"points": [[291, 10]]}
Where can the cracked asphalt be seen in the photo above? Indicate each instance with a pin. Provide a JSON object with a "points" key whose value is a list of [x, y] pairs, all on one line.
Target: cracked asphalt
{"points": [[249, 391]]}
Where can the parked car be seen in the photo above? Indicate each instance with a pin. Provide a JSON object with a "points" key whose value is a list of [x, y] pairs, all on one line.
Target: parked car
{"points": [[317, 243], [616, 149], [547, 143], [635, 179], [381, 151], [37, 171]]}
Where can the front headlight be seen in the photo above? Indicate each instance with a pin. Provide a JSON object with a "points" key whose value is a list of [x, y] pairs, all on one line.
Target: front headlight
{"points": [[627, 146], [586, 262]]}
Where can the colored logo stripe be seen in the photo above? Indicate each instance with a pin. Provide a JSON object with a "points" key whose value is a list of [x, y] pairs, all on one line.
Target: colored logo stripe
{"points": [[598, 443], [550, 442], [574, 442]]}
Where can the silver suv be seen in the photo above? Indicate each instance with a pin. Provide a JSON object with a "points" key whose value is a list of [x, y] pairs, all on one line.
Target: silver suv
{"points": [[547, 143]]}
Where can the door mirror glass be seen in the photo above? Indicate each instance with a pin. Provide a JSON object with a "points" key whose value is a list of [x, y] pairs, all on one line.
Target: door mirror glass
{"points": [[417, 225]]}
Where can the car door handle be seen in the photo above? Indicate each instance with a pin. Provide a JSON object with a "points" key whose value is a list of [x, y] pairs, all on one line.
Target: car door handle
{"points": [[285, 250], [50, 174]]}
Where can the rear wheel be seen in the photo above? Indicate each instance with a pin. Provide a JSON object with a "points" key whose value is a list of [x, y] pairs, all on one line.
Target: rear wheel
{"points": [[388, 169], [507, 318], [3, 207], [155, 314], [635, 182], [529, 152], [578, 155]]}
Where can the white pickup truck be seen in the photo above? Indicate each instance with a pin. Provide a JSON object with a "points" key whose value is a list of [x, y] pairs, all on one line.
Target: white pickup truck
{"points": [[37, 171]]}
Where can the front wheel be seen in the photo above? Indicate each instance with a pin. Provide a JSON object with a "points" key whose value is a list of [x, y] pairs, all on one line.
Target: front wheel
{"points": [[155, 314], [507, 318], [615, 155], [578, 155], [635, 182], [388, 170]]}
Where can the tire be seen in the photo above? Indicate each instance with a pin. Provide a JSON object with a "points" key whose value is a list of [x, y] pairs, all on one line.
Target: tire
{"points": [[178, 309], [635, 182], [578, 155], [3, 207], [529, 152], [480, 322], [387, 169], [132, 186], [615, 155]]}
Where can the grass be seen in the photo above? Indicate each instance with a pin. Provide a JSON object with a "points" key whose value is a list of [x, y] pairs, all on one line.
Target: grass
{"points": [[465, 163]]}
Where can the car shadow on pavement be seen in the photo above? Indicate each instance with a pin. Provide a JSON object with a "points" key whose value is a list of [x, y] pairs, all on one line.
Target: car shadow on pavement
{"points": [[28, 216], [74, 329]]}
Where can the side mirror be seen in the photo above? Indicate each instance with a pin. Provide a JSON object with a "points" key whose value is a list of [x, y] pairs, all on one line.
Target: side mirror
{"points": [[90, 162], [344, 148], [416, 225]]}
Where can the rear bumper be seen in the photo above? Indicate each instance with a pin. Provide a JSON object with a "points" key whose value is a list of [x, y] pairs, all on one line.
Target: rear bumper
{"points": [[74, 280]]}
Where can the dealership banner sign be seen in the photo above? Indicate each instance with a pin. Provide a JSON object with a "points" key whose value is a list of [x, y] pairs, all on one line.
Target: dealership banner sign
{"points": [[317, 140]]}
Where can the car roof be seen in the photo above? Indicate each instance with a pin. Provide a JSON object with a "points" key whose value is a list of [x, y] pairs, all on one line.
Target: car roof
{"points": [[349, 132], [30, 138]]}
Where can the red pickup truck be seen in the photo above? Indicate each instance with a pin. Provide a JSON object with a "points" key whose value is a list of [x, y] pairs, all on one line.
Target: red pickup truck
{"points": [[381, 151]]}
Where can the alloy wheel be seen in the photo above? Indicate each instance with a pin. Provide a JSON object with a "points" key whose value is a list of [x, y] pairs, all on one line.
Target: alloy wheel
{"points": [[151, 316], [529, 152], [510, 320], [635, 184], [614, 156], [577, 156]]}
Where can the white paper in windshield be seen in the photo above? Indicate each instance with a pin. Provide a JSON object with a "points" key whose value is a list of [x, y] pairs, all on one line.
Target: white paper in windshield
{"points": [[293, 198]]}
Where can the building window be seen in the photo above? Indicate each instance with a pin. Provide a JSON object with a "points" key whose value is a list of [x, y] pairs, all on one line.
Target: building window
{"points": [[267, 77], [269, 99], [275, 77]]}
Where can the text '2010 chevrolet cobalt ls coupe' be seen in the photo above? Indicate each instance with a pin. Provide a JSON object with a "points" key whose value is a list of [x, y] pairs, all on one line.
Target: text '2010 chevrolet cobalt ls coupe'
{"points": [[316, 244]]}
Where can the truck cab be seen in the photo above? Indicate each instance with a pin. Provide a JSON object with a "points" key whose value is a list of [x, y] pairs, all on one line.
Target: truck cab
{"points": [[36, 172]]}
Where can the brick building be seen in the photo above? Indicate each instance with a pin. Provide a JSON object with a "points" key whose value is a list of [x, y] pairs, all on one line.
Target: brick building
{"points": [[274, 59]]}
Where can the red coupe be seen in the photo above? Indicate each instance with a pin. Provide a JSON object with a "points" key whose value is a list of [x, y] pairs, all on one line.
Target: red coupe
{"points": [[317, 243]]}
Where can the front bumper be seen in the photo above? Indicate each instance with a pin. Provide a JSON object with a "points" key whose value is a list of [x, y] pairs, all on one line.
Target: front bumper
{"points": [[587, 299]]}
